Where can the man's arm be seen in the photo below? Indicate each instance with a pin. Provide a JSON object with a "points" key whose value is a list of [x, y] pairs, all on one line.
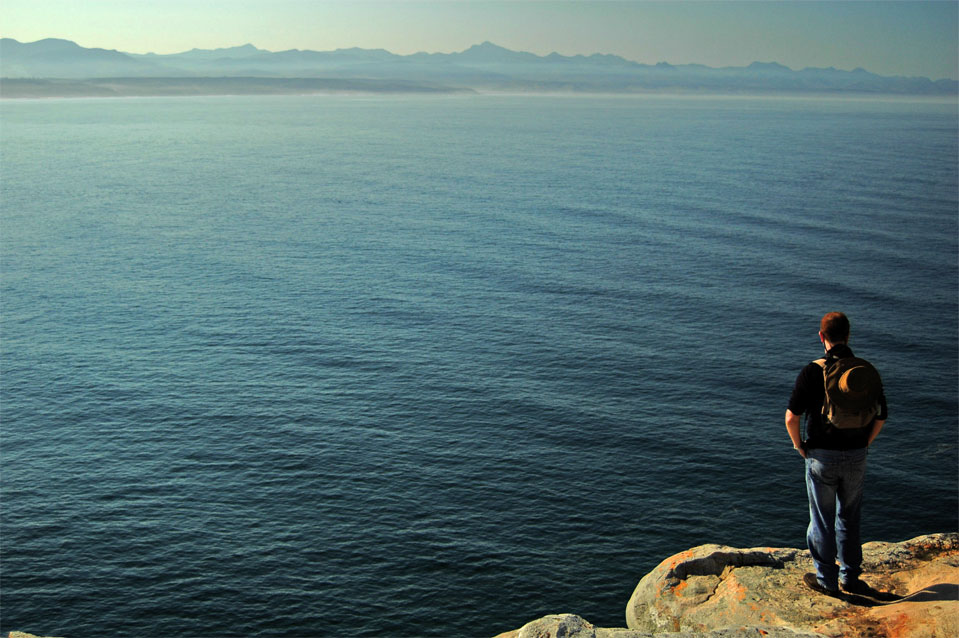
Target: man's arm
{"points": [[876, 426], [793, 423]]}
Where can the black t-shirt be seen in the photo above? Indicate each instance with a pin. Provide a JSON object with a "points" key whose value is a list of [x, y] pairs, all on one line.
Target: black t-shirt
{"points": [[807, 398]]}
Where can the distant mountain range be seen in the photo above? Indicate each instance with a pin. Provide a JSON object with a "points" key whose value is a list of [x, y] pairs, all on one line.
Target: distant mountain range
{"points": [[61, 67]]}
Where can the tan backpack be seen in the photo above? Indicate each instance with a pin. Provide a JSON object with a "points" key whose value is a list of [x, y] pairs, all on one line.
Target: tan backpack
{"points": [[853, 387]]}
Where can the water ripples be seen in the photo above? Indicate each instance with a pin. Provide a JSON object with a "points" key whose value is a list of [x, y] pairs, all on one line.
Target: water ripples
{"points": [[419, 378]]}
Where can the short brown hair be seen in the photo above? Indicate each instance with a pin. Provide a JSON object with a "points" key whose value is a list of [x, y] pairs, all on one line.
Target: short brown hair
{"points": [[835, 327]]}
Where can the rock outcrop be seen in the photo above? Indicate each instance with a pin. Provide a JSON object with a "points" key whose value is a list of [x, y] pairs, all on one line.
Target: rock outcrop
{"points": [[714, 591], [572, 626]]}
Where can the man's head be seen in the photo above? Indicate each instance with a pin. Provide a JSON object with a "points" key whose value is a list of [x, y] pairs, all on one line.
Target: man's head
{"points": [[834, 328]]}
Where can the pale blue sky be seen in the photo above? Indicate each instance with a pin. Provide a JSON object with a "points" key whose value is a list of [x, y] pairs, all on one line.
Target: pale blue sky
{"points": [[918, 37]]}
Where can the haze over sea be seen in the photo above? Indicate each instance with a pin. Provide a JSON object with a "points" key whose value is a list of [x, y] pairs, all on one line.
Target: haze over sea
{"points": [[438, 366]]}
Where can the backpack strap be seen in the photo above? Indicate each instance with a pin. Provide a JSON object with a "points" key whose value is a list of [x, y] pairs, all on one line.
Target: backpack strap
{"points": [[822, 363]]}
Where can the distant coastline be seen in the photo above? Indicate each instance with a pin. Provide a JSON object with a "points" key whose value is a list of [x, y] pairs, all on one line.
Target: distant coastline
{"points": [[25, 88], [53, 88], [61, 68]]}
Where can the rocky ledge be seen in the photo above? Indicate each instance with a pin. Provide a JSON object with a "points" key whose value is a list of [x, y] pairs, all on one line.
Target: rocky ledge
{"points": [[714, 591]]}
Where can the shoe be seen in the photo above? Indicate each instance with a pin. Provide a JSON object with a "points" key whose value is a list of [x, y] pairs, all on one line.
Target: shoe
{"points": [[812, 582], [857, 586]]}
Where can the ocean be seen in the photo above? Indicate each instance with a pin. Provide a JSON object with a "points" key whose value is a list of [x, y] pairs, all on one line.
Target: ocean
{"points": [[346, 365]]}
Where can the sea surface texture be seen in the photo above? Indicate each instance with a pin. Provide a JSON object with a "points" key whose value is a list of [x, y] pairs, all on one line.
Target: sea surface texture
{"points": [[437, 366]]}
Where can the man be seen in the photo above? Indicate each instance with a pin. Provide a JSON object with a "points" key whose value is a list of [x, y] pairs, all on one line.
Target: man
{"points": [[835, 456]]}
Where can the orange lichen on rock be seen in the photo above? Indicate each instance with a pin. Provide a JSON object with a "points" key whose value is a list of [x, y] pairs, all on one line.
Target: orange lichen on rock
{"points": [[899, 625]]}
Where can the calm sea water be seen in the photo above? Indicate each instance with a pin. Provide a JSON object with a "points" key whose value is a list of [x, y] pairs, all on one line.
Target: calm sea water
{"points": [[362, 366]]}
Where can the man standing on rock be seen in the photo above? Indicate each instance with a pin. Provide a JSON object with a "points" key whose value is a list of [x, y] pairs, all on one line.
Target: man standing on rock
{"points": [[842, 398]]}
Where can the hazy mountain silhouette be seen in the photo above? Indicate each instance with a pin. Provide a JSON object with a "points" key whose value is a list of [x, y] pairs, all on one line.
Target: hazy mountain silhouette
{"points": [[483, 66], [62, 58], [244, 51]]}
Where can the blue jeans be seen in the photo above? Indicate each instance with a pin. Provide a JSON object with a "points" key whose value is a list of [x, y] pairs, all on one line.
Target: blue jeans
{"points": [[834, 481]]}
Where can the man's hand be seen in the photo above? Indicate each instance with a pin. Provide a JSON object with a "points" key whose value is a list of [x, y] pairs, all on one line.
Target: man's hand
{"points": [[793, 422]]}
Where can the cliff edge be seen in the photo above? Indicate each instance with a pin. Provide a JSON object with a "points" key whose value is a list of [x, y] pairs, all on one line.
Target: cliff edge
{"points": [[713, 591]]}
